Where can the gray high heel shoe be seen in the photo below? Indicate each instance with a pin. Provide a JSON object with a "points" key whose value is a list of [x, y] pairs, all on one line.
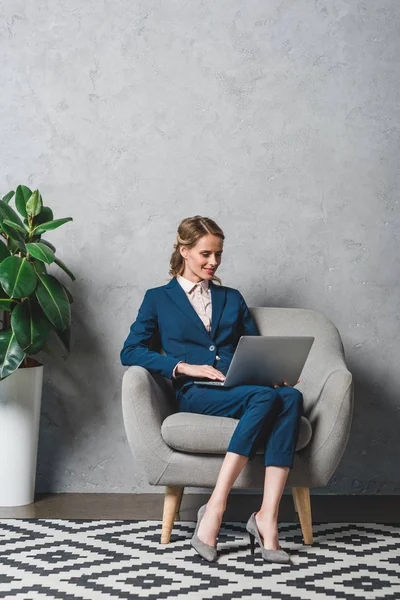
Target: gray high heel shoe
{"points": [[206, 551], [279, 556]]}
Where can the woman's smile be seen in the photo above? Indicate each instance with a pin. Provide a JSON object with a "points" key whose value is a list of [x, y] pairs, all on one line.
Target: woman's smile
{"points": [[208, 249]]}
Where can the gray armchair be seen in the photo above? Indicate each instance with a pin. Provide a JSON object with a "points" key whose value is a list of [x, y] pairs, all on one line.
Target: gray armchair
{"points": [[184, 449]]}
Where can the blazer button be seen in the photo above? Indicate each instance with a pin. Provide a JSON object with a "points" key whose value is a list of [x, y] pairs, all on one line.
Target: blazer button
{"points": [[212, 348]]}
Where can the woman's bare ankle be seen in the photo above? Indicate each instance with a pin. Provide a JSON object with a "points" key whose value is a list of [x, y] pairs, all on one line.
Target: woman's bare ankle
{"points": [[267, 516], [268, 528]]}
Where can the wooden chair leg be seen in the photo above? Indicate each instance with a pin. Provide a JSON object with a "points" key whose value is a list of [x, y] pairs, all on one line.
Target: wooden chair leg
{"points": [[172, 501], [302, 502]]}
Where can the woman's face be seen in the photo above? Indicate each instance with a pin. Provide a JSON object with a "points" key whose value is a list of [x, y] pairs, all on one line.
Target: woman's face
{"points": [[203, 259]]}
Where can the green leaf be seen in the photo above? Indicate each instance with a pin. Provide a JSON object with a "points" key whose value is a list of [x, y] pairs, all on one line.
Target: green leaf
{"points": [[15, 226], [64, 268], [54, 301], [48, 244], [70, 297], [5, 336], [11, 355], [4, 251], [34, 204], [15, 246], [51, 225], [17, 276], [5, 302], [65, 338], [30, 326], [6, 212], [45, 215], [41, 251], [13, 230], [22, 196], [39, 267], [8, 196]]}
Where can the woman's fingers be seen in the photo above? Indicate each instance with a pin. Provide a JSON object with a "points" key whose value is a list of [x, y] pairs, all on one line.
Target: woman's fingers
{"points": [[211, 370], [214, 373]]}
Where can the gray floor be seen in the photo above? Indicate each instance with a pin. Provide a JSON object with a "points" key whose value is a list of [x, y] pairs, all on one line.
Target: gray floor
{"points": [[329, 508]]}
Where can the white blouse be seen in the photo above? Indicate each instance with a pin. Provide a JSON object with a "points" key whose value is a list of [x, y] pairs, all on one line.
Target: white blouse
{"points": [[199, 295]]}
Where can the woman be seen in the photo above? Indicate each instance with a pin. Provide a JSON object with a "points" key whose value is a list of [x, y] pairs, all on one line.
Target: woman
{"points": [[200, 324]]}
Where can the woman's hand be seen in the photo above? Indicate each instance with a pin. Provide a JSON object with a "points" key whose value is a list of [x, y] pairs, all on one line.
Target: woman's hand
{"points": [[201, 371], [284, 384]]}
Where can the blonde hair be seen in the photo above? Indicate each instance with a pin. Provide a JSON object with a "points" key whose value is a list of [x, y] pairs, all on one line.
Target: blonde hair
{"points": [[190, 230]]}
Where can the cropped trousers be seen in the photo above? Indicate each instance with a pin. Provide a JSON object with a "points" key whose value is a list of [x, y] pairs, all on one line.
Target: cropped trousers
{"points": [[268, 417]]}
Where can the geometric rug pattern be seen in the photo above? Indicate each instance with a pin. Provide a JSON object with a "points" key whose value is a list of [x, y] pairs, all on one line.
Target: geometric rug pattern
{"points": [[91, 560]]}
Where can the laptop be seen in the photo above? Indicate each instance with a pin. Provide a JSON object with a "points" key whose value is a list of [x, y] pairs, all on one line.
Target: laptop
{"points": [[266, 360]]}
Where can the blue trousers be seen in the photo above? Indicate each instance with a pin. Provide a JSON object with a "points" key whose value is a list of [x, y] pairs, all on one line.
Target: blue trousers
{"points": [[267, 416]]}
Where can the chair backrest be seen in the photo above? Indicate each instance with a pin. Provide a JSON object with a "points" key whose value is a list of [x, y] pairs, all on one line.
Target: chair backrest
{"points": [[326, 354]]}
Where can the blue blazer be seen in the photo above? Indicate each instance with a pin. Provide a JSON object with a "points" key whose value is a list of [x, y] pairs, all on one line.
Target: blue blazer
{"points": [[166, 315]]}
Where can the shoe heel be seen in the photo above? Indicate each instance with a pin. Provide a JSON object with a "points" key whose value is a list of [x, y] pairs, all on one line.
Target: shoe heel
{"points": [[251, 536]]}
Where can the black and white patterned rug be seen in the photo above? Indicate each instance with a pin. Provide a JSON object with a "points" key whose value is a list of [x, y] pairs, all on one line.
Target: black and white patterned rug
{"points": [[85, 560]]}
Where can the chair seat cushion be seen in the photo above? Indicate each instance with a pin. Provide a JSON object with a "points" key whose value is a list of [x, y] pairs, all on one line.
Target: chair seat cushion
{"points": [[208, 434]]}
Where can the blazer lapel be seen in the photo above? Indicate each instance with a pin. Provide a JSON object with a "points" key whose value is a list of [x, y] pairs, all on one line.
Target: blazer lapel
{"points": [[178, 295], [218, 295]]}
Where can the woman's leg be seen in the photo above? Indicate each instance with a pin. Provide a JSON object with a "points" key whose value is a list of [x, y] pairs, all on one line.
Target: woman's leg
{"points": [[267, 516], [279, 448], [256, 407], [282, 444], [211, 522]]}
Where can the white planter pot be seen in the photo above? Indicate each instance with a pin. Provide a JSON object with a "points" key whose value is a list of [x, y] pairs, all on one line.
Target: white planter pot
{"points": [[20, 400]]}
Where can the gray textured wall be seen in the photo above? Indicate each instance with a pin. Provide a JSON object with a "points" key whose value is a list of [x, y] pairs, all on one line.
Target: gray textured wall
{"points": [[279, 119]]}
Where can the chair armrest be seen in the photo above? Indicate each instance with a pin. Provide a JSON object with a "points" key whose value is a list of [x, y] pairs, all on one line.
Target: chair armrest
{"points": [[145, 405], [330, 416]]}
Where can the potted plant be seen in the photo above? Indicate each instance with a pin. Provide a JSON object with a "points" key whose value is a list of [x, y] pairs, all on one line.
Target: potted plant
{"points": [[35, 306]]}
